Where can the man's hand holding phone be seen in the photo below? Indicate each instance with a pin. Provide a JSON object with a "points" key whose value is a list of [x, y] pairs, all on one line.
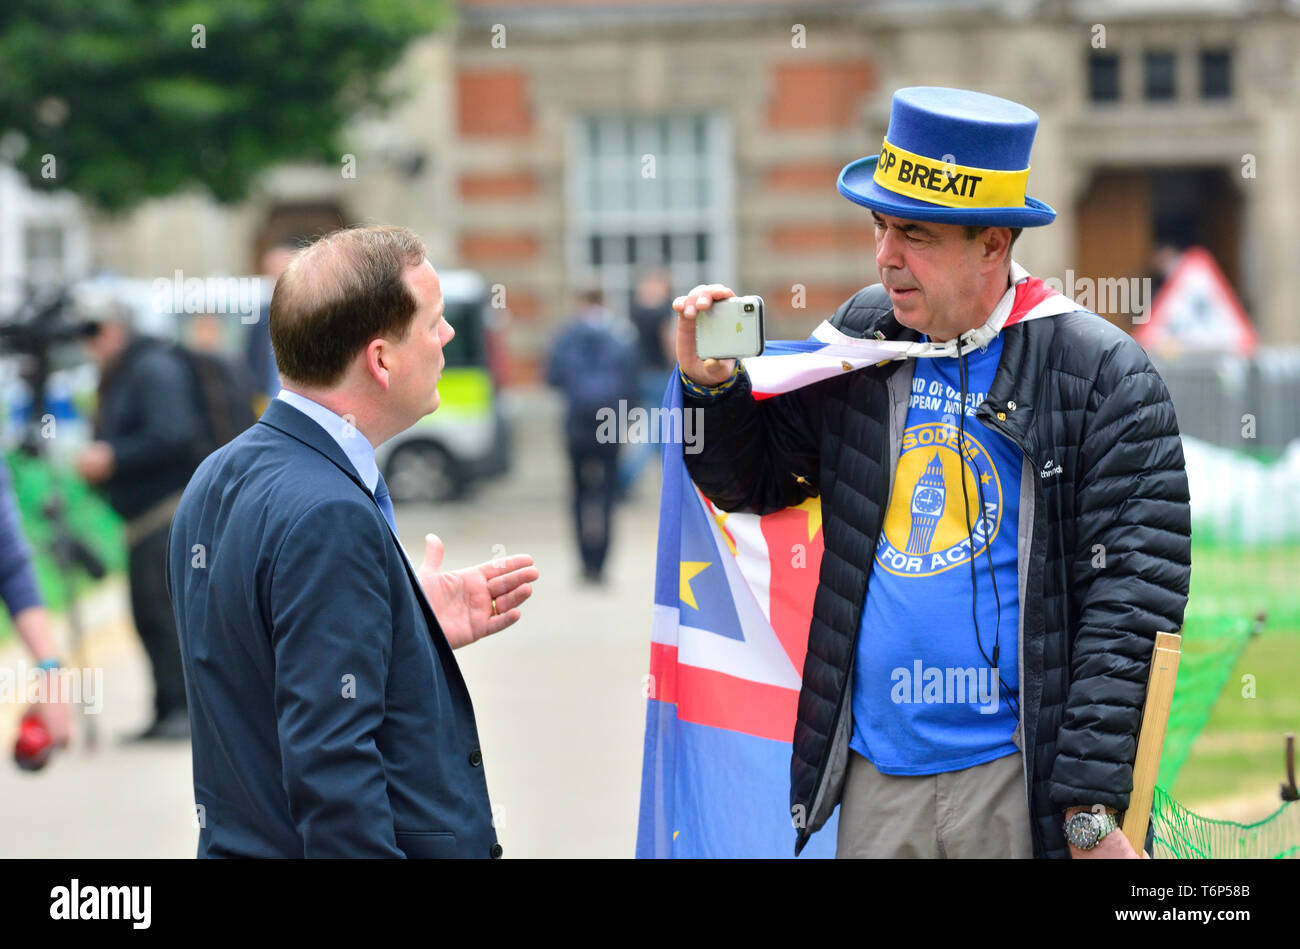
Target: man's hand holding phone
{"points": [[705, 372]]}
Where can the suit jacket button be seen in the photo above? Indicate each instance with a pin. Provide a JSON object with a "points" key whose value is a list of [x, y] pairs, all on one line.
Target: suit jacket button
{"points": [[496, 851], [475, 758]]}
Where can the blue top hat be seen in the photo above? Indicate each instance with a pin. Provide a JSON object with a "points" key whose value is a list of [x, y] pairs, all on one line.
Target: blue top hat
{"points": [[951, 156]]}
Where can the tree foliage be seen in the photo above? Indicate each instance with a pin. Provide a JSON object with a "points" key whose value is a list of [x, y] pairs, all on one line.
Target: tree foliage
{"points": [[128, 99]]}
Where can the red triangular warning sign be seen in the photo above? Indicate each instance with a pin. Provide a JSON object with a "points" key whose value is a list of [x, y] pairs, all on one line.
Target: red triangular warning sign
{"points": [[1196, 311]]}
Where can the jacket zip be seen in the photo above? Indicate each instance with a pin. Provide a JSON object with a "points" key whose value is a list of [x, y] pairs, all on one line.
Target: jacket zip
{"points": [[990, 420]]}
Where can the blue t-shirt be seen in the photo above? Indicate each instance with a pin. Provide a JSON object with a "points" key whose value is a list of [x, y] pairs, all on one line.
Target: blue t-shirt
{"points": [[925, 700]]}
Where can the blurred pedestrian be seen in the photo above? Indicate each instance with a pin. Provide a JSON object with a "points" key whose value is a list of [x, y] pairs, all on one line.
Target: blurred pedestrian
{"points": [[258, 352], [23, 598], [143, 455], [654, 319], [1163, 261], [594, 363], [204, 333]]}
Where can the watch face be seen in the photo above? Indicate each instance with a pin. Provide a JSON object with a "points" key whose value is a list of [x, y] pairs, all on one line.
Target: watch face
{"points": [[1083, 831]]}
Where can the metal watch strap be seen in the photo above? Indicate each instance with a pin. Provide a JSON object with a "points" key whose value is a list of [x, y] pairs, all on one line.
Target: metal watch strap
{"points": [[1108, 824], [1107, 821]]}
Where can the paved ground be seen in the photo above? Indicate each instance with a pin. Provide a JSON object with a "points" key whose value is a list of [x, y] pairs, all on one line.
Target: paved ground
{"points": [[558, 696]]}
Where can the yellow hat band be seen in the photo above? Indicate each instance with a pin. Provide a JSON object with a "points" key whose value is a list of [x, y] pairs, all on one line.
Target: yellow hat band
{"points": [[947, 184]]}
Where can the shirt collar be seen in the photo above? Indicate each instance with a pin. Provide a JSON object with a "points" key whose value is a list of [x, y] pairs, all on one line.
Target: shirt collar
{"points": [[355, 445]]}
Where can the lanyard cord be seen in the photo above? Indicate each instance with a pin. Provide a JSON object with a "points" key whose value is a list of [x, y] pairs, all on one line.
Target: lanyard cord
{"points": [[1012, 701]]}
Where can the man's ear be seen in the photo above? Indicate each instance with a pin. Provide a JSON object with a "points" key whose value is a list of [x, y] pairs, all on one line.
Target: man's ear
{"points": [[376, 355], [994, 244]]}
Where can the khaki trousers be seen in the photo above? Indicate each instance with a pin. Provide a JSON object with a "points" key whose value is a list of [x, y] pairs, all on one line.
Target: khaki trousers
{"points": [[976, 812]]}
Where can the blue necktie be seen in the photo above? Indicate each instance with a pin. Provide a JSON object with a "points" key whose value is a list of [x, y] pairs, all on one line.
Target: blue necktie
{"points": [[385, 503]]}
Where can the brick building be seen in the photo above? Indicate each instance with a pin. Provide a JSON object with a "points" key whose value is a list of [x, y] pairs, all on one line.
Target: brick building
{"points": [[547, 144]]}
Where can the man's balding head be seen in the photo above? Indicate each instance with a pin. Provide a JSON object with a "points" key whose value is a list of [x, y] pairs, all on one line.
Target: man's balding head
{"points": [[336, 296]]}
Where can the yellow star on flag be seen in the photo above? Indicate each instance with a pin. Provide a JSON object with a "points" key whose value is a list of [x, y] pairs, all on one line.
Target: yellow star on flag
{"points": [[814, 508], [688, 570], [721, 516]]}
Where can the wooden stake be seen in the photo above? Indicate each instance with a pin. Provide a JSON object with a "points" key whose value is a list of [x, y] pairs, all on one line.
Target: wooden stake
{"points": [[1151, 737]]}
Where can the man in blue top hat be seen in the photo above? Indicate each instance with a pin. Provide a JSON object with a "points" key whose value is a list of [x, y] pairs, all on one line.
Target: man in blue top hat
{"points": [[1006, 524]]}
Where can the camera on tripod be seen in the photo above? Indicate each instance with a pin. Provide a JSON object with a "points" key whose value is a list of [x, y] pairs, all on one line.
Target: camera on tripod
{"points": [[45, 321]]}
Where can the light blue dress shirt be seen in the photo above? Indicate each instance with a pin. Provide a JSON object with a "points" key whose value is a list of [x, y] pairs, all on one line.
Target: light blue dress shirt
{"points": [[355, 445]]}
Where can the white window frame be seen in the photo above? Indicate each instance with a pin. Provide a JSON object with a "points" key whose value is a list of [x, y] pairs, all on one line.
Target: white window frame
{"points": [[618, 278]]}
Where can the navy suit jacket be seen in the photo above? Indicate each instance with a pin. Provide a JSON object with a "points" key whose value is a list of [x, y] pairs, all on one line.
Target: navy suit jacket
{"points": [[328, 715]]}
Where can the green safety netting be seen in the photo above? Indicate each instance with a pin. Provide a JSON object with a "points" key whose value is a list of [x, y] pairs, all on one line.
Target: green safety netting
{"points": [[1211, 648], [1239, 590], [1183, 835]]}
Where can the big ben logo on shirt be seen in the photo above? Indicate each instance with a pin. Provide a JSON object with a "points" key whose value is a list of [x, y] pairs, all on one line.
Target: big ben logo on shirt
{"points": [[927, 530]]}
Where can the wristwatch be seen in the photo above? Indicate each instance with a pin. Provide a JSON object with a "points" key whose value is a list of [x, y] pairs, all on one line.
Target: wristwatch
{"points": [[1086, 828]]}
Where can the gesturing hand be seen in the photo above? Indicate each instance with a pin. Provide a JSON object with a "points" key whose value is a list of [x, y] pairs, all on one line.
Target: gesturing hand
{"points": [[463, 599]]}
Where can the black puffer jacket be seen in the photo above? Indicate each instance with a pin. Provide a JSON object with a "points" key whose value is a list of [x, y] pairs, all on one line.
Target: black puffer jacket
{"points": [[1074, 393]]}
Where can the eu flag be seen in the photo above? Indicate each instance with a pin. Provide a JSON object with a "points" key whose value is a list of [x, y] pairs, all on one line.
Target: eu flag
{"points": [[733, 600]]}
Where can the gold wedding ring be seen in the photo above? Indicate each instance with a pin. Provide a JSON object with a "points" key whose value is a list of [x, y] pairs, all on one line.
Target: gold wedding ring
{"points": [[494, 607]]}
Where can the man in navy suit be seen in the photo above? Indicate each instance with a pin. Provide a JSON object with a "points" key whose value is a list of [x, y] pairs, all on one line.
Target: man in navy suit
{"points": [[328, 715]]}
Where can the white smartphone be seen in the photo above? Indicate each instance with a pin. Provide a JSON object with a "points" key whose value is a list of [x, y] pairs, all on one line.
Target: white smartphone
{"points": [[730, 328]]}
